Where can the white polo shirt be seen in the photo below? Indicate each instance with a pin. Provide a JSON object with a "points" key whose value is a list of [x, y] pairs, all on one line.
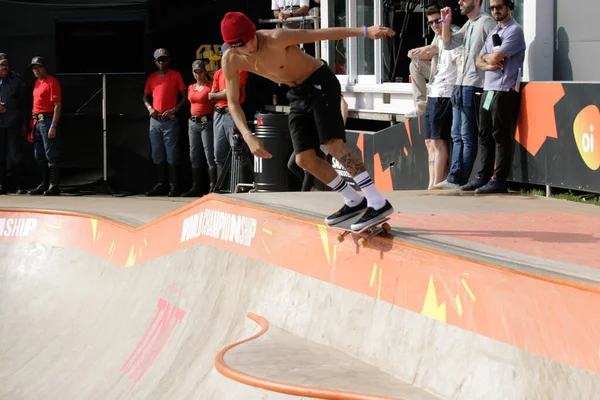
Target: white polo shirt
{"points": [[287, 5]]}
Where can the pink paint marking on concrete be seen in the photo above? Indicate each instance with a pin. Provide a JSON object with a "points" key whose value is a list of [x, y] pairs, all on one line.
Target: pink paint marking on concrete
{"points": [[160, 324]]}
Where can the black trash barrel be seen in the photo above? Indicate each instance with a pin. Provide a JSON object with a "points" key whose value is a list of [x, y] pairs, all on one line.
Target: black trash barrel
{"points": [[271, 174]]}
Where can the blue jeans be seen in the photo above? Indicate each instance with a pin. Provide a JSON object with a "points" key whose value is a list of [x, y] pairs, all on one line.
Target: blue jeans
{"points": [[465, 122], [164, 137], [201, 144], [224, 126], [46, 150]]}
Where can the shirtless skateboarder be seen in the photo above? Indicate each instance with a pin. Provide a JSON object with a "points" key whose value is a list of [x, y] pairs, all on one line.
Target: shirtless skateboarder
{"points": [[315, 117]]}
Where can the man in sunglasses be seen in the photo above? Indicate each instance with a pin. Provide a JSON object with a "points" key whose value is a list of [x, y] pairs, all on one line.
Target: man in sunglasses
{"points": [[165, 86], [423, 66], [466, 95], [438, 116], [502, 60]]}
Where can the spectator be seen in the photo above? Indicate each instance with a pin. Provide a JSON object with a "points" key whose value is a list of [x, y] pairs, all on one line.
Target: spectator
{"points": [[164, 86], [423, 68], [200, 130], [284, 9], [466, 95], [439, 107], [13, 122], [502, 62], [46, 113]]}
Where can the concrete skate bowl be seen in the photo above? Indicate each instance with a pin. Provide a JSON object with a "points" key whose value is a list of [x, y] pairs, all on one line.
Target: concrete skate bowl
{"points": [[93, 309]]}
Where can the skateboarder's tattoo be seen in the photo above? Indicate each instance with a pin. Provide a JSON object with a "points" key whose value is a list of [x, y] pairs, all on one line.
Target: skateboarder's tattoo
{"points": [[352, 164]]}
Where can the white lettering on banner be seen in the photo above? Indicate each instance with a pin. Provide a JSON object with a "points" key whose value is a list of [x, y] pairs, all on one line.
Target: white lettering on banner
{"points": [[21, 227], [219, 225], [258, 165], [340, 168]]}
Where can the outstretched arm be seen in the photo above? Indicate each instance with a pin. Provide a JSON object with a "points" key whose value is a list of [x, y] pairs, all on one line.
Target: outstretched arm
{"points": [[289, 37]]}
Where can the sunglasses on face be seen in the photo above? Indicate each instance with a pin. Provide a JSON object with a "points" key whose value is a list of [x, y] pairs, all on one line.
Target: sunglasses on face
{"points": [[435, 21], [500, 7]]}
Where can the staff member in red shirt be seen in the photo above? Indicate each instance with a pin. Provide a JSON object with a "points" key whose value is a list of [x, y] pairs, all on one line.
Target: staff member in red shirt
{"points": [[223, 123], [164, 86], [200, 130], [46, 112]]}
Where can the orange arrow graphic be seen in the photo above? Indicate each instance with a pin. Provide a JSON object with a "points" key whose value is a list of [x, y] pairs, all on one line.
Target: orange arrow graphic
{"points": [[537, 120]]}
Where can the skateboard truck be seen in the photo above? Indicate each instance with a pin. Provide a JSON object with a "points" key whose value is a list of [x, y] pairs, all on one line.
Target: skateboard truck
{"points": [[372, 231]]}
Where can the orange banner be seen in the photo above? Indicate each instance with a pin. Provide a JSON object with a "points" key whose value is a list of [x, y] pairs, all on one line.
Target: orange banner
{"points": [[539, 315]]}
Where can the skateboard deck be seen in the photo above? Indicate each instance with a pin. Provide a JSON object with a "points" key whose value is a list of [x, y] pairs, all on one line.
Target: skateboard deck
{"points": [[376, 228]]}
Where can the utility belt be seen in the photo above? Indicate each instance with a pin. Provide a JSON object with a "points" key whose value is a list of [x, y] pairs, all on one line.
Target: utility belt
{"points": [[42, 116], [222, 110], [173, 117], [201, 119]]}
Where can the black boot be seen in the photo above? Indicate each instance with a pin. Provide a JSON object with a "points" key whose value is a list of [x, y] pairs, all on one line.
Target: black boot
{"points": [[219, 173], [212, 177], [196, 190], [2, 178], [160, 189], [173, 181], [44, 171], [54, 189], [19, 179]]}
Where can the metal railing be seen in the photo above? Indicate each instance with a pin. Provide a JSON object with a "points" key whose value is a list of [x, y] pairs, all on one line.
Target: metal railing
{"points": [[303, 22]]}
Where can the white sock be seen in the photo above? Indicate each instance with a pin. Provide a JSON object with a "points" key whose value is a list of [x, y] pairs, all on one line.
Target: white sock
{"points": [[351, 196], [374, 199]]}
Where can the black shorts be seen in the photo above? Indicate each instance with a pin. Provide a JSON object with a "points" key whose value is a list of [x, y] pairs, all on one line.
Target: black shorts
{"points": [[439, 118], [315, 112]]}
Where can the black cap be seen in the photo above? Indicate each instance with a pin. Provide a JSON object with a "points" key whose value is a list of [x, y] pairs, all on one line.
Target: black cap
{"points": [[38, 60], [160, 53], [198, 64]]}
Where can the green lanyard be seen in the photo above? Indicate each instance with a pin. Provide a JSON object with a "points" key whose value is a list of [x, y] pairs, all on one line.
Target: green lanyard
{"points": [[470, 39], [467, 44]]}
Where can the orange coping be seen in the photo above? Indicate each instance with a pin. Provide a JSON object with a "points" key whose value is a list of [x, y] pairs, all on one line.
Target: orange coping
{"points": [[540, 315], [282, 387]]}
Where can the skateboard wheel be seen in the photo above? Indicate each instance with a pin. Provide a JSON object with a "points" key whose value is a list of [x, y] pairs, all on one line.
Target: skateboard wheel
{"points": [[362, 242], [340, 237], [386, 227]]}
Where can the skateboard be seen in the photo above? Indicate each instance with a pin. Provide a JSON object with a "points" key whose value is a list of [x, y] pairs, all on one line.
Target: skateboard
{"points": [[372, 230]]}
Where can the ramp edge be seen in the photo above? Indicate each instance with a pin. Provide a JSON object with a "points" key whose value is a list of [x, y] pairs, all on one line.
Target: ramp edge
{"points": [[281, 387]]}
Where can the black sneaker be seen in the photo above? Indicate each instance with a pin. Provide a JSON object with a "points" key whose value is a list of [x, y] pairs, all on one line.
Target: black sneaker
{"points": [[474, 185], [371, 217], [346, 213], [492, 187]]}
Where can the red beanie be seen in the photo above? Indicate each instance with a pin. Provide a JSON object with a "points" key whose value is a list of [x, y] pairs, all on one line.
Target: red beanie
{"points": [[237, 29]]}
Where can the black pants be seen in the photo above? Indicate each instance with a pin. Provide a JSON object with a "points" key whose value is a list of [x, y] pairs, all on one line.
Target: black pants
{"points": [[11, 152], [497, 127]]}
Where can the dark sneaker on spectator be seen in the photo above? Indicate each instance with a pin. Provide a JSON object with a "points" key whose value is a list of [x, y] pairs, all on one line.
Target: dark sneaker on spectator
{"points": [[345, 213], [492, 187], [474, 185], [371, 216]]}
